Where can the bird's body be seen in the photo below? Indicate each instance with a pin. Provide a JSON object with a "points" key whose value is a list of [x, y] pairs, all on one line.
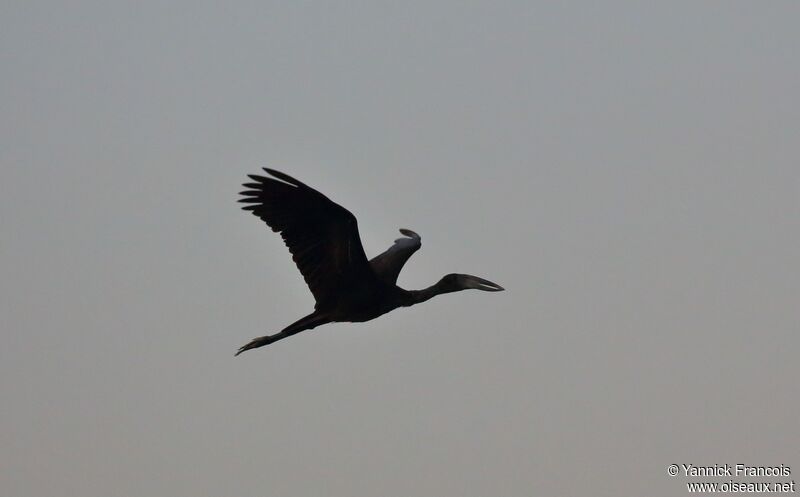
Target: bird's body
{"points": [[325, 245]]}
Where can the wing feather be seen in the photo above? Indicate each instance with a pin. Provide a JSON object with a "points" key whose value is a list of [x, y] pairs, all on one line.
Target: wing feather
{"points": [[389, 264], [321, 235]]}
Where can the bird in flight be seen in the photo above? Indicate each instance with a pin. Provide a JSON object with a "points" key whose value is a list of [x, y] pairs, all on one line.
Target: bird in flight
{"points": [[323, 239]]}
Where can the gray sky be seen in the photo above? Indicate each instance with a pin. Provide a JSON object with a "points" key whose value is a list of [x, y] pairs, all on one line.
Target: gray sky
{"points": [[628, 171]]}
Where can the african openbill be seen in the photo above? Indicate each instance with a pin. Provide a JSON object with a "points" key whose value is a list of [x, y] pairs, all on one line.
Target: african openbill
{"points": [[323, 239]]}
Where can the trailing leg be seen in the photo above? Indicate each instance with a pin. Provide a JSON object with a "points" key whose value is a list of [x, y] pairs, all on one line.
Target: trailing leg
{"points": [[311, 321]]}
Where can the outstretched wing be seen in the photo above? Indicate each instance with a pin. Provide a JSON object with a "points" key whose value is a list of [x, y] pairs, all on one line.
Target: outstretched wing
{"points": [[388, 264], [321, 235]]}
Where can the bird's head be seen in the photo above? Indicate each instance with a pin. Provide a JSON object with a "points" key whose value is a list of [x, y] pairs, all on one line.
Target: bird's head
{"points": [[454, 282]]}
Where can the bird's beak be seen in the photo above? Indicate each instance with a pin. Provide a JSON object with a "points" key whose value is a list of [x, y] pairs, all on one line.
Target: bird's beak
{"points": [[482, 284]]}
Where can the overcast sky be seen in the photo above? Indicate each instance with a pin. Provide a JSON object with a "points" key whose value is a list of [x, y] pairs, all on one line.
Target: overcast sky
{"points": [[627, 171]]}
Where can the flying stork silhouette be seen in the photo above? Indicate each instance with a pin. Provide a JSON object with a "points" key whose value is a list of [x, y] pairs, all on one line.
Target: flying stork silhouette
{"points": [[323, 239]]}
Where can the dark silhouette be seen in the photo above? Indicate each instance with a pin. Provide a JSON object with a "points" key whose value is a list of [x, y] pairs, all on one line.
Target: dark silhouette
{"points": [[323, 239]]}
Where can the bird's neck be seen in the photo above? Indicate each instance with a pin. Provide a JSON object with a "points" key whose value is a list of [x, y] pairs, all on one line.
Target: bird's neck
{"points": [[419, 296]]}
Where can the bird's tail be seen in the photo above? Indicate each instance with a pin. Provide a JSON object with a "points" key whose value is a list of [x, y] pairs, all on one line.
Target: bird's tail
{"points": [[311, 321]]}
